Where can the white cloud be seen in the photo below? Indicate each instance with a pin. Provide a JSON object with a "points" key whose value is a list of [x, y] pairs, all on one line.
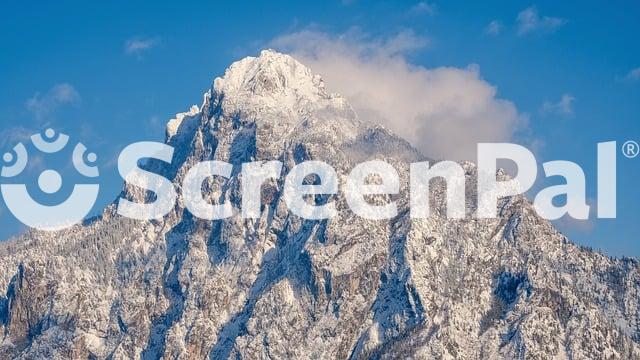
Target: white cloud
{"points": [[493, 28], [563, 107], [444, 111], [530, 21], [633, 75], [137, 46], [423, 7], [44, 105], [11, 136]]}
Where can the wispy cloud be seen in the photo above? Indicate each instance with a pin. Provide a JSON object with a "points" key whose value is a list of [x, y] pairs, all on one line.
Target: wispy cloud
{"points": [[423, 7], [563, 107], [493, 28], [529, 21], [43, 105], [633, 75], [444, 112], [11, 136], [138, 45]]}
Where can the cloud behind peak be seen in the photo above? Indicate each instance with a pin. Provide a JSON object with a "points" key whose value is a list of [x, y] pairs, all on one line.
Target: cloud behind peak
{"points": [[444, 112]]}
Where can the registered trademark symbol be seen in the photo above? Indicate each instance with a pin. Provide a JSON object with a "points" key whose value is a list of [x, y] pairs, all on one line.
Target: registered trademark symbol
{"points": [[630, 149]]}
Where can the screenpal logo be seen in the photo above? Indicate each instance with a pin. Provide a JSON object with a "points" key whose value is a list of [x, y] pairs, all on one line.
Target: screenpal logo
{"points": [[298, 193], [297, 190]]}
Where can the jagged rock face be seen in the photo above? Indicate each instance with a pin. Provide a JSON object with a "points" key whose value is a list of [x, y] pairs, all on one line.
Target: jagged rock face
{"points": [[284, 287]]}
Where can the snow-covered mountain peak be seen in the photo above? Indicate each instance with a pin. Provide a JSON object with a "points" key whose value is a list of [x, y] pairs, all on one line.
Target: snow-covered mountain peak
{"points": [[276, 97], [269, 74], [282, 287]]}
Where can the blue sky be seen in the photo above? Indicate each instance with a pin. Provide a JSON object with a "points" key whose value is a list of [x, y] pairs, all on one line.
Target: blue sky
{"points": [[114, 73]]}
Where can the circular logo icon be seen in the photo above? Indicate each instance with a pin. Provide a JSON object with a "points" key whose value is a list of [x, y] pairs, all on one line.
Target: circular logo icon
{"points": [[50, 218]]}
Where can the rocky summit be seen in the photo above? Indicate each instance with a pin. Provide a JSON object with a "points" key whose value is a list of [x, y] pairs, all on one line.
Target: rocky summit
{"points": [[281, 287]]}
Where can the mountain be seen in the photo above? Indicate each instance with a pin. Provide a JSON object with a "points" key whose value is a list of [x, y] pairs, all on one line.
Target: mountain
{"points": [[287, 288]]}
